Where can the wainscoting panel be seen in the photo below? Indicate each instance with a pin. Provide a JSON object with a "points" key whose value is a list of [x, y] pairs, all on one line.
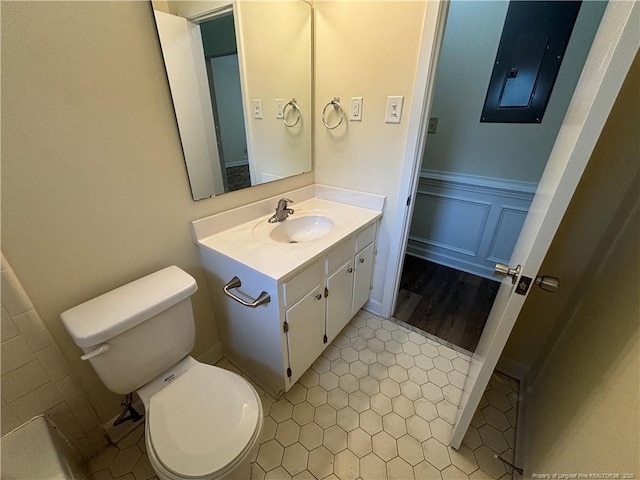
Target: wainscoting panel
{"points": [[462, 236], [467, 222], [506, 234]]}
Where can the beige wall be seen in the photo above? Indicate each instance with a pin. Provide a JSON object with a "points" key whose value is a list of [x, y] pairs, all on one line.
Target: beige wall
{"points": [[583, 411], [607, 177], [277, 64], [94, 188], [368, 49]]}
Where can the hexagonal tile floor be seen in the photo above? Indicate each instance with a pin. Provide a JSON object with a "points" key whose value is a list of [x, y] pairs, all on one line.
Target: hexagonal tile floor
{"points": [[379, 403]]}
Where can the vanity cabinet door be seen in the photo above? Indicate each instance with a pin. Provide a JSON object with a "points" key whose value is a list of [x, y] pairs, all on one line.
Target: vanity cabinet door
{"points": [[362, 279], [305, 332], [339, 299]]}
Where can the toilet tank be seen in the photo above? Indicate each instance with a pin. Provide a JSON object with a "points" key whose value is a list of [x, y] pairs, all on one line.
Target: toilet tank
{"points": [[132, 334]]}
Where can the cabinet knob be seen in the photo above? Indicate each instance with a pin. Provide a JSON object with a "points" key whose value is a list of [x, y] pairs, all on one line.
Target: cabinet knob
{"points": [[361, 260], [319, 296], [349, 270]]}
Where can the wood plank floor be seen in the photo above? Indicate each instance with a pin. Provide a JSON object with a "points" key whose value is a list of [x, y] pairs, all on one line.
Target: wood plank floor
{"points": [[445, 302]]}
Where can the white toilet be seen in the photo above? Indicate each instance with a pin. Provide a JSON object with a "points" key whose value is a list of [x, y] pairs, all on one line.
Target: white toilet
{"points": [[203, 422]]}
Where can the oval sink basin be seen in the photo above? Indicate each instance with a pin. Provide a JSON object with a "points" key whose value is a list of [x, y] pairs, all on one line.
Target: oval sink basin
{"points": [[302, 229]]}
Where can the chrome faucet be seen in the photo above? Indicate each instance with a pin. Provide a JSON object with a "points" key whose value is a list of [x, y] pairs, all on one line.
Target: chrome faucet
{"points": [[282, 212]]}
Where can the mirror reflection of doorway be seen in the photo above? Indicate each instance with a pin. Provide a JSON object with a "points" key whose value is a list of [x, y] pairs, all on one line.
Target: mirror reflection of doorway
{"points": [[223, 73], [477, 179]]}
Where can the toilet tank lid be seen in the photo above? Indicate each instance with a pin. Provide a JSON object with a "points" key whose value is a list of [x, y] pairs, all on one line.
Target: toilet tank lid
{"points": [[97, 320]]}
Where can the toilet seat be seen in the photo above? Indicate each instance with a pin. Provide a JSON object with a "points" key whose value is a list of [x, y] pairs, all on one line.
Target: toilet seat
{"points": [[204, 422]]}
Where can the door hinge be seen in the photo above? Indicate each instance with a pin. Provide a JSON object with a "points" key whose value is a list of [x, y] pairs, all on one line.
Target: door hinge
{"points": [[408, 201], [289, 372], [326, 292], [325, 339], [285, 327]]}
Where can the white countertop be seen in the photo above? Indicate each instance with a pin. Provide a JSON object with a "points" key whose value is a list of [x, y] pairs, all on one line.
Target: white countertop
{"points": [[277, 260]]}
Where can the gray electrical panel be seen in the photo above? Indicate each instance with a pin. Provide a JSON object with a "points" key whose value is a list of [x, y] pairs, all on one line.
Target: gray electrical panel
{"points": [[532, 46]]}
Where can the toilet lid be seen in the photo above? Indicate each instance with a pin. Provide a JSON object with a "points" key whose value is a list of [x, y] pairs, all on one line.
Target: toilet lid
{"points": [[203, 421]]}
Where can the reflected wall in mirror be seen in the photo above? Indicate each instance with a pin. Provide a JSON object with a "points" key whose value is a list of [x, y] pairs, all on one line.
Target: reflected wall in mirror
{"points": [[240, 79]]}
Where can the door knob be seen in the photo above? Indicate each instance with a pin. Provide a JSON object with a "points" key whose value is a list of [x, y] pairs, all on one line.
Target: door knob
{"points": [[503, 271], [548, 284]]}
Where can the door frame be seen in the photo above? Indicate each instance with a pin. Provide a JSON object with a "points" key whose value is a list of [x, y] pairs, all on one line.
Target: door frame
{"points": [[434, 21]]}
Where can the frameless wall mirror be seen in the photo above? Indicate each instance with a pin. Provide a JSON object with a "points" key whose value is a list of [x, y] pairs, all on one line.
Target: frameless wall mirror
{"points": [[240, 79]]}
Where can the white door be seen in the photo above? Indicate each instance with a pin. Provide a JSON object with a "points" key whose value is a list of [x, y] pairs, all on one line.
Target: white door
{"points": [[611, 55], [184, 60]]}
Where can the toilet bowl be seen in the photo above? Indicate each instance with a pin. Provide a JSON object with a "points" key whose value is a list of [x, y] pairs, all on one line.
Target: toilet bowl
{"points": [[202, 422], [205, 424]]}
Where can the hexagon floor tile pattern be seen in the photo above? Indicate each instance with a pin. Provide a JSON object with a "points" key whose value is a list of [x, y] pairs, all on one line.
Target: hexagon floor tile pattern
{"points": [[378, 404]]}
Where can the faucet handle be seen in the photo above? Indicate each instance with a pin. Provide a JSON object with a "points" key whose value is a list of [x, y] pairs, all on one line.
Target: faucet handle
{"points": [[282, 203]]}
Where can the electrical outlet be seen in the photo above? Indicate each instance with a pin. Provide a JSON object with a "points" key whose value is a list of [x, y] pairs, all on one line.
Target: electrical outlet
{"points": [[394, 109], [279, 108], [433, 125], [356, 109], [257, 108]]}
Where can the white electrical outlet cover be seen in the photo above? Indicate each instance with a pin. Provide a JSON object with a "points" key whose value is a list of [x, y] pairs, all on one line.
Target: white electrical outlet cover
{"points": [[355, 113], [279, 108]]}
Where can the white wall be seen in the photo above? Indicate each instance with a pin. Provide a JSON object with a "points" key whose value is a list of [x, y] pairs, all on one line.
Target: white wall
{"points": [[367, 49], [511, 151], [94, 187]]}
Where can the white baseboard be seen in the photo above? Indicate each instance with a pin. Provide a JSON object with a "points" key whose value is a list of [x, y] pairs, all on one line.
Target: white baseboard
{"points": [[374, 307]]}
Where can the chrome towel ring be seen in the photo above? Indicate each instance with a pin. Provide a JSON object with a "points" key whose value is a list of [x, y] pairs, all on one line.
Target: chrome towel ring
{"points": [[294, 109], [338, 108]]}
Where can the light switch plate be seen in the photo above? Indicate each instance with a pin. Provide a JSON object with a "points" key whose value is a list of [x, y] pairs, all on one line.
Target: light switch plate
{"points": [[394, 109], [257, 108]]}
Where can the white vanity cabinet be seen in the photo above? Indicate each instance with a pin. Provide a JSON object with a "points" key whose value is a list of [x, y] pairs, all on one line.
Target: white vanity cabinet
{"points": [[275, 343]]}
